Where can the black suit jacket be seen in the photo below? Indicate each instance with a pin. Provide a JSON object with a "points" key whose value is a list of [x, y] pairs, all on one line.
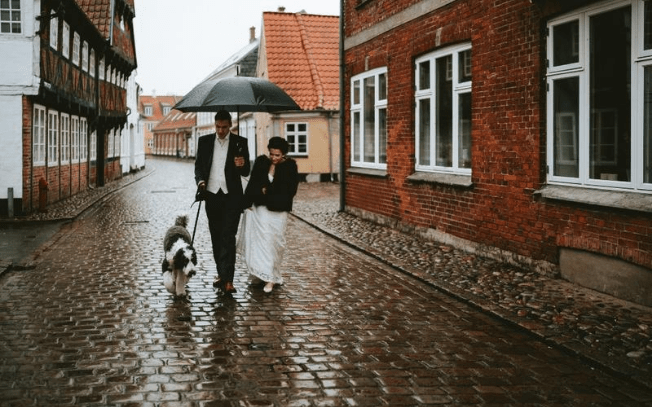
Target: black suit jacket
{"points": [[280, 192], [204, 161]]}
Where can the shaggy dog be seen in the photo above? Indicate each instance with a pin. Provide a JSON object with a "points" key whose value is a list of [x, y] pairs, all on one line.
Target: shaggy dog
{"points": [[180, 257]]}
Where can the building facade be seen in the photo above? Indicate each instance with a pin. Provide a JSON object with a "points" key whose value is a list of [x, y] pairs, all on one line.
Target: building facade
{"points": [[299, 52], [63, 97], [152, 110], [516, 129]]}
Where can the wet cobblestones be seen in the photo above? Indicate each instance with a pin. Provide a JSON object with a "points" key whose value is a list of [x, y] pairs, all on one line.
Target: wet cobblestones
{"points": [[91, 324]]}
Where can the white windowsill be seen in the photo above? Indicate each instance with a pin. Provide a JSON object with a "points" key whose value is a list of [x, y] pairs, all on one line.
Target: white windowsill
{"points": [[633, 201]]}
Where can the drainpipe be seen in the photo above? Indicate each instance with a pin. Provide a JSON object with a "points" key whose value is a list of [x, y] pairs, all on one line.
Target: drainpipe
{"points": [[342, 95]]}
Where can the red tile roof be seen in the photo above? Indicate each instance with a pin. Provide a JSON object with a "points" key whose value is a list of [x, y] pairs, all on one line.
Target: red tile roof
{"points": [[157, 103], [177, 120], [303, 57]]}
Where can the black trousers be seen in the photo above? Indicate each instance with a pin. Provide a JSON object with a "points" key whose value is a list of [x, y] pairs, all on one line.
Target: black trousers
{"points": [[223, 212]]}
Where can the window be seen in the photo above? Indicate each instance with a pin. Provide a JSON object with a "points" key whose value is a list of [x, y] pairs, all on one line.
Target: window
{"points": [[53, 137], [443, 111], [600, 96], [84, 57], [91, 63], [369, 119], [76, 43], [74, 139], [148, 111], [65, 138], [65, 40], [83, 139], [166, 110], [38, 141], [54, 27], [110, 138], [93, 148], [10, 16], [296, 135], [100, 70]]}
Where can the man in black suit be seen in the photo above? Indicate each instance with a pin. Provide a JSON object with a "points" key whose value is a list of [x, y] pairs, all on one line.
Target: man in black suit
{"points": [[222, 158]]}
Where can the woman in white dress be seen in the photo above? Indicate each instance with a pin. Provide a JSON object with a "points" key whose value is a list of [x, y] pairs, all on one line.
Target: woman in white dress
{"points": [[269, 194]]}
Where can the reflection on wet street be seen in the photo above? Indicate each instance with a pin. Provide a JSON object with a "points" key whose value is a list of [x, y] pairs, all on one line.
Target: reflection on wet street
{"points": [[92, 324]]}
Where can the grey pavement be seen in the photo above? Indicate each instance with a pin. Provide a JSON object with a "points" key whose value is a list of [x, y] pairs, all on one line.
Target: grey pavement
{"points": [[367, 316]]}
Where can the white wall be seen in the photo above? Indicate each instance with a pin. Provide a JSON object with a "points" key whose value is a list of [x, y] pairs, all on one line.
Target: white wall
{"points": [[20, 54], [11, 139]]}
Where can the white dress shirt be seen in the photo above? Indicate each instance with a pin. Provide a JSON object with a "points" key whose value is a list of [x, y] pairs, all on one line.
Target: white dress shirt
{"points": [[217, 179]]}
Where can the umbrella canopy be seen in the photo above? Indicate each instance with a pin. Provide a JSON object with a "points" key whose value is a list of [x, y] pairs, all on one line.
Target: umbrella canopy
{"points": [[236, 94]]}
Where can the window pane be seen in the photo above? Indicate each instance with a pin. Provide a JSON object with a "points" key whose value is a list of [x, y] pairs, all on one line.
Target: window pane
{"points": [[464, 66], [356, 92], [566, 113], [566, 43], [647, 131], [382, 136], [302, 127], [369, 119], [424, 132], [382, 86], [355, 136], [444, 112], [464, 130], [424, 75], [610, 135]]}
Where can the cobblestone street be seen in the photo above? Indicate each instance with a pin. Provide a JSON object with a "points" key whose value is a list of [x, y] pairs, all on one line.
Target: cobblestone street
{"points": [[91, 324]]}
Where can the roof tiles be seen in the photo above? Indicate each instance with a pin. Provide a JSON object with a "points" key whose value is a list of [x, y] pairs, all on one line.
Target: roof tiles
{"points": [[303, 57]]}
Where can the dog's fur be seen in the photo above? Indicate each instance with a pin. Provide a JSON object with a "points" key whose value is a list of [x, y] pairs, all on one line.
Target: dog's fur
{"points": [[180, 257]]}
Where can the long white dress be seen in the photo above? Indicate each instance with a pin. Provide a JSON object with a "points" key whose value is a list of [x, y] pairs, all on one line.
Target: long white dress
{"points": [[261, 242]]}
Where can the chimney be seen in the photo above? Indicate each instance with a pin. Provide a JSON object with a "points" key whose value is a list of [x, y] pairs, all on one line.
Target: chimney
{"points": [[252, 34], [281, 9]]}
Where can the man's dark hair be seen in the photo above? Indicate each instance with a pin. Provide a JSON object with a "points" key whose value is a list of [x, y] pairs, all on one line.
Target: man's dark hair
{"points": [[222, 115], [278, 143]]}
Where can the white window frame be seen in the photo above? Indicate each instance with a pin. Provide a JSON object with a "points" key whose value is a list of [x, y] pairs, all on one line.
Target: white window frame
{"points": [[84, 56], [359, 108], [65, 40], [640, 58], [54, 31], [64, 133], [430, 94], [74, 139], [39, 135], [76, 44], [148, 110], [8, 26], [93, 147], [91, 63], [53, 137], [101, 69], [293, 136], [83, 139], [110, 138]]}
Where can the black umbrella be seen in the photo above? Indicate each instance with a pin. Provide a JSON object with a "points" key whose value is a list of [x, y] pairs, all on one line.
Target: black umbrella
{"points": [[236, 94]]}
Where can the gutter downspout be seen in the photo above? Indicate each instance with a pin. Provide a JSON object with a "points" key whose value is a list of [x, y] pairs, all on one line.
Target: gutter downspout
{"points": [[342, 120]]}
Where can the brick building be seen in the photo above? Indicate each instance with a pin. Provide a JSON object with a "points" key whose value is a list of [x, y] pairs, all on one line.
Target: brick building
{"points": [[63, 97], [517, 129], [173, 135], [152, 110]]}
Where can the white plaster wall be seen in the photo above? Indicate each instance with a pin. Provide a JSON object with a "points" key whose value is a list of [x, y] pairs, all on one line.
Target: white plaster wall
{"points": [[11, 140], [19, 54]]}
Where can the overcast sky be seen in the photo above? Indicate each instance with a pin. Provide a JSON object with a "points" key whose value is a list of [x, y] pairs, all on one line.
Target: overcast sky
{"points": [[179, 43]]}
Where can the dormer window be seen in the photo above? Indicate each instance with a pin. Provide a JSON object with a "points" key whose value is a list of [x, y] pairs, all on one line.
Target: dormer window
{"points": [[148, 110], [166, 110]]}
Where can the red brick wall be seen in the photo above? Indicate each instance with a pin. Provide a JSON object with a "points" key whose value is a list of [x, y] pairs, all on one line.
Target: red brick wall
{"points": [[508, 136]]}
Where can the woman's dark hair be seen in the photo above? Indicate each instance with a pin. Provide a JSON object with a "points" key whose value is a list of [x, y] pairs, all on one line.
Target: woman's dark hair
{"points": [[278, 143]]}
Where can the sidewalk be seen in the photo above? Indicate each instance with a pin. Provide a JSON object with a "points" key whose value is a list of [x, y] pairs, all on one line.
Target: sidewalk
{"points": [[604, 331]]}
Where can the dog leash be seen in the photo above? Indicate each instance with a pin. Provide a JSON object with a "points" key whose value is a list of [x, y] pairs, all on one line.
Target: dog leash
{"points": [[195, 228]]}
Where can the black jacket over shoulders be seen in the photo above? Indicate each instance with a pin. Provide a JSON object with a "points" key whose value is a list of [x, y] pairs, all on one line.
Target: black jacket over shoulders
{"points": [[280, 192]]}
